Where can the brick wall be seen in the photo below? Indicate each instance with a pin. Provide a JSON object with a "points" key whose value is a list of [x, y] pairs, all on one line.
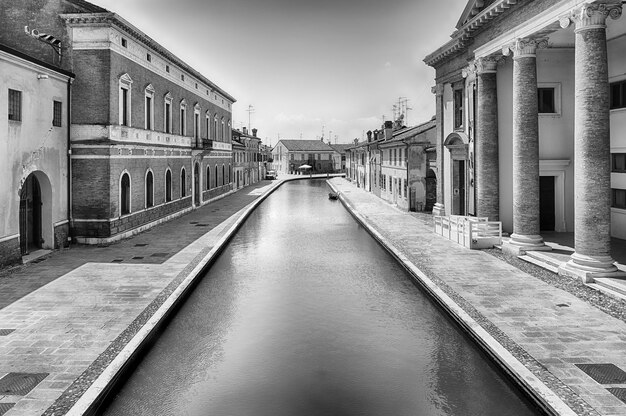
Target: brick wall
{"points": [[10, 252], [61, 233], [91, 89], [142, 77], [90, 188]]}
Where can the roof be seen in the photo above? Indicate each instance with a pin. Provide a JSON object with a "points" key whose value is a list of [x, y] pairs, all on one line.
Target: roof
{"points": [[341, 147], [36, 61], [305, 145], [91, 14]]}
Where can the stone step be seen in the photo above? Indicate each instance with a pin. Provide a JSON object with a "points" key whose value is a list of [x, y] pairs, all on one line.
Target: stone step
{"points": [[540, 262], [614, 285]]}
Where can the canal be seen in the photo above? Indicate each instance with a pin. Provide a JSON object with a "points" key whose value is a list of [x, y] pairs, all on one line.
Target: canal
{"points": [[304, 313]]}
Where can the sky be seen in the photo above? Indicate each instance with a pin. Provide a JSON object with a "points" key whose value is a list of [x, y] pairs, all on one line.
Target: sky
{"points": [[335, 67]]}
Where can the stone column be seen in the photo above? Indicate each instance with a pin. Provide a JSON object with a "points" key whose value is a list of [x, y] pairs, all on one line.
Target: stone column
{"points": [[487, 170], [525, 235], [439, 208], [592, 171]]}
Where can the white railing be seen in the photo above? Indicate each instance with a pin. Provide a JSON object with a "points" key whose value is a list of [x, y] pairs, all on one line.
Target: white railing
{"points": [[471, 232]]}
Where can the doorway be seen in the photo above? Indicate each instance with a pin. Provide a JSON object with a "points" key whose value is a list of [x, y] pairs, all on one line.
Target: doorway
{"points": [[30, 216], [458, 187], [546, 203]]}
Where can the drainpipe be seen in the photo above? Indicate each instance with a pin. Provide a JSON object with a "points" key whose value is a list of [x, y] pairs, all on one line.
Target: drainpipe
{"points": [[69, 162]]}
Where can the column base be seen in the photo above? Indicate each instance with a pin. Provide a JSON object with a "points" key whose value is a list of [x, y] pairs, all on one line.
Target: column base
{"points": [[519, 244], [439, 209], [587, 268]]}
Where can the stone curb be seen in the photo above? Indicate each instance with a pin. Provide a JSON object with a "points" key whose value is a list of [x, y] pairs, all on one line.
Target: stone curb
{"points": [[88, 402], [522, 376]]}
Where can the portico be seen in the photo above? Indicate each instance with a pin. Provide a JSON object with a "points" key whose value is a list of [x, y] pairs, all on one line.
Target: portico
{"points": [[538, 119]]}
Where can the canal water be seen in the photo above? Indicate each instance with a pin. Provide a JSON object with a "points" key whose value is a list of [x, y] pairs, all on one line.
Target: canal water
{"points": [[305, 314]]}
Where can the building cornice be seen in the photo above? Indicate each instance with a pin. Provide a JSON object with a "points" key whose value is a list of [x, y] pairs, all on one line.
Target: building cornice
{"points": [[112, 19], [462, 36]]}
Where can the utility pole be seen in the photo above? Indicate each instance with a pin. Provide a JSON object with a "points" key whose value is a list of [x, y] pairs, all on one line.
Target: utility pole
{"points": [[250, 110]]}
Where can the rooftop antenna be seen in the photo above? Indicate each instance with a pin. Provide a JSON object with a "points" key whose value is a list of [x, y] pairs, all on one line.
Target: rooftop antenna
{"points": [[250, 110]]}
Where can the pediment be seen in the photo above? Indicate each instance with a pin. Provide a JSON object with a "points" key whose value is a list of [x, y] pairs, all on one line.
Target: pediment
{"points": [[472, 8]]}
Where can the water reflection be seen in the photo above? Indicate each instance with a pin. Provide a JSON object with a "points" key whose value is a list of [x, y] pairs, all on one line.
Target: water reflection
{"points": [[304, 314]]}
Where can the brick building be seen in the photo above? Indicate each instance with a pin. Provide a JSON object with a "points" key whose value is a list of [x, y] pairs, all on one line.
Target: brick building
{"points": [[150, 135], [34, 146], [249, 159], [530, 100]]}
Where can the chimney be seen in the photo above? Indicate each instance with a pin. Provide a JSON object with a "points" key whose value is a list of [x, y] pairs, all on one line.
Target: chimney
{"points": [[254, 132], [388, 130], [245, 130], [369, 136], [376, 135], [356, 141]]}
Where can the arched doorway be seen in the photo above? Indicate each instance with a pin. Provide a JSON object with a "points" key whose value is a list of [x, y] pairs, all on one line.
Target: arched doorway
{"points": [[196, 184], [457, 145], [30, 215], [35, 215]]}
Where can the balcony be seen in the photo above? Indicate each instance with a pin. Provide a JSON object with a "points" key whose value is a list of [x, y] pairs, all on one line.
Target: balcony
{"points": [[215, 145]]}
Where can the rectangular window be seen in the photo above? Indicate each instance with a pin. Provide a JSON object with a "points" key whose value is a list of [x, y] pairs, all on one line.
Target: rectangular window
{"points": [[124, 43], [124, 109], [619, 162], [168, 121], [546, 100], [196, 125], [57, 113], [182, 77], [617, 95], [148, 113], [167, 69], [619, 198], [15, 105], [458, 108], [149, 57]]}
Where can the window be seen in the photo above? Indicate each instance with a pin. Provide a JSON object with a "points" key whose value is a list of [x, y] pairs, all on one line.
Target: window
{"points": [[223, 175], [216, 176], [545, 97], [167, 69], [182, 77], [125, 194], [183, 184], [196, 124], [149, 108], [149, 57], [57, 113], [208, 177], [215, 128], [619, 198], [149, 190], [167, 117], [208, 125], [619, 162], [183, 119], [125, 83], [458, 108], [15, 105], [617, 95], [221, 138], [124, 43], [168, 185]]}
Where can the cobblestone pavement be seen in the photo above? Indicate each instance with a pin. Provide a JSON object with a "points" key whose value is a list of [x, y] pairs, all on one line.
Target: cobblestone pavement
{"points": [[551, 332], [60, 314]]}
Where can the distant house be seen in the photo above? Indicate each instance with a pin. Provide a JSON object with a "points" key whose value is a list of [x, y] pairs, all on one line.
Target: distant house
{"points": [[339, 158], [290, 155], [251, 155]]}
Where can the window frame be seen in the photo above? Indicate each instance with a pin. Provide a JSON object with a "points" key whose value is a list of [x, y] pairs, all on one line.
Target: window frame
{"points": [[614, 162], [15, 105], [556, 86], [149, 190], [183, 182], [621, 84], [149, 107], [125, 100], [183, 117], [614, 193], [458, 98], [57, 113], [125, 209], [168, 185], [167, 113]]}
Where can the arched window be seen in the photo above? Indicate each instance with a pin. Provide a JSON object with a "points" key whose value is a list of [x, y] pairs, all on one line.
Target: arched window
{"points": [[216, 176], [223, 175], [230, 173], [208, 177], [149, 189], [168, 185], [222, 131], [183, 183], [183, 117], [214, 137], [208, 126], [125, 194], [167, 115]]}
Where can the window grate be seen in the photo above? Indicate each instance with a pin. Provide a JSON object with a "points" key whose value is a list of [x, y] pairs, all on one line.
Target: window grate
{"points": [[15, 105], [57, 113]]}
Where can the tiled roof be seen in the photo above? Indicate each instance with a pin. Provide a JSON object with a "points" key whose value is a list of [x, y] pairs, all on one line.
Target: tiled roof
{"points": [[87, 7], [305, 145], [342, 147]]}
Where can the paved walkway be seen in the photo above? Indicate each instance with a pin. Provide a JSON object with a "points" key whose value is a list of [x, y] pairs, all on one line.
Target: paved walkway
{"points": [[542, 334]]}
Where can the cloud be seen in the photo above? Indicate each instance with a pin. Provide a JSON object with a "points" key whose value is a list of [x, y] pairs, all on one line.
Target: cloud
{"points": [[387, 64]]}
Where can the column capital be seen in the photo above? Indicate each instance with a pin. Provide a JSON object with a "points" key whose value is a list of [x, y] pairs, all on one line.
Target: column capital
{"points": [[487, 64], [523, 48], [437, 90], [591, 16]]}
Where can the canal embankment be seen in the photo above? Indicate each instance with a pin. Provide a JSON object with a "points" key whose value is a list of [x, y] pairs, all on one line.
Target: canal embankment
{"points": [[70, 322], [544, 337]]}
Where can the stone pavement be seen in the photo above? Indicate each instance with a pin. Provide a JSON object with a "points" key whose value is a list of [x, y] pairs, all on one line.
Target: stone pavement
{"points": [[544, 337], [65, 317]]}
